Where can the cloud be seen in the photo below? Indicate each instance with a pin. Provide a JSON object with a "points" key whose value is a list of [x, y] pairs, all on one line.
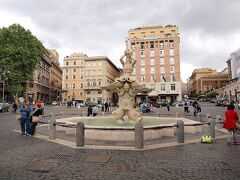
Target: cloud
{"points": [[209, 30]]}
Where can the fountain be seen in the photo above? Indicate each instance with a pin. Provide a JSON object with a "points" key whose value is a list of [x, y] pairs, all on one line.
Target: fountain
{"points": [[127, 88], [120, 126]]}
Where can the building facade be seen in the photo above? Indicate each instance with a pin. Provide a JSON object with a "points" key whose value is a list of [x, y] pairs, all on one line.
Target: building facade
{"points": [[73, 77], [156, 50], [41, 87], [99, 72], [231, 92], [206, 79], [84, 76]]}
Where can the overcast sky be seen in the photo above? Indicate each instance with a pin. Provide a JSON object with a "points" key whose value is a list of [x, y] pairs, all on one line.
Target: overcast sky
{"points": [[209, 30]]}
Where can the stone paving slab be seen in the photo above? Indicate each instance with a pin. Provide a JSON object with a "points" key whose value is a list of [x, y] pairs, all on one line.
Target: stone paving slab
{"points": [[192, 161]]}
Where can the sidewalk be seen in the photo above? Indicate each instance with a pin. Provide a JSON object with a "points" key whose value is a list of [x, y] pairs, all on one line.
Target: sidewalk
{"points": [[32, 158]]}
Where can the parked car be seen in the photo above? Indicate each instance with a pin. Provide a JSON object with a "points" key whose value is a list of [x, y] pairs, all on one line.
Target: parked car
{"points": [[180, 103], [4, 107], [55, 103]]}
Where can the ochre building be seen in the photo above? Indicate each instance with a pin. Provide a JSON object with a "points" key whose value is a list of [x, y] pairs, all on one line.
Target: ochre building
{"points": [[156, 49]]}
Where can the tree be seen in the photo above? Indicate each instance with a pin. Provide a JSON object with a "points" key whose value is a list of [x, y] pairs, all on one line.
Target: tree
{"points": [[211, 94], [20, 52]]}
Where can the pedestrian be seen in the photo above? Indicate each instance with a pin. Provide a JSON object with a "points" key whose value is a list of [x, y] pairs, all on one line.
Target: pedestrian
{"points": [[14, 108], [37, 113], [25, 110], [95, 110], [230, 124], [106, 107], [42, 107], [186, 107], [168, 105], [195, 104], [89, 110]]}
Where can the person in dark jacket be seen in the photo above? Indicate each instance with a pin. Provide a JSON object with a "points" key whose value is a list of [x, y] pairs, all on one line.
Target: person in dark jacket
{"points": [[37, 112], [89, 110]]}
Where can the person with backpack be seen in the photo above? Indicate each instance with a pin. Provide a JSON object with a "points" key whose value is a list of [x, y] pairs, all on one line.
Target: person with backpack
{"points": [[35, 118], [89, 110]]}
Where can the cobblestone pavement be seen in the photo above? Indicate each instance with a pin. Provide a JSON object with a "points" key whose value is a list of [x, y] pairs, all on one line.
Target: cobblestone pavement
{"points": [[32, 158]]}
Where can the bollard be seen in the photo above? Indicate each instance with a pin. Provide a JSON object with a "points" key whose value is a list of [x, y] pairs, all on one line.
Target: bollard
{"points": [[159, 114], [62, 114], [52, 127], [139, 137], [180, 131], [177, 114], [80, 134], [212, 128]]}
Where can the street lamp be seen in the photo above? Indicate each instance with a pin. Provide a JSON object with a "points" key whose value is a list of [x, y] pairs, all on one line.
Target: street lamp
{"points": [[4, 79]]}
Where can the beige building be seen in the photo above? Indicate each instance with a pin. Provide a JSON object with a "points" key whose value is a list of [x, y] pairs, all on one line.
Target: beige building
{"points": [[46, 84], [156, 49], [73, 77], [206, 79], [84, 76], [99, 71]]}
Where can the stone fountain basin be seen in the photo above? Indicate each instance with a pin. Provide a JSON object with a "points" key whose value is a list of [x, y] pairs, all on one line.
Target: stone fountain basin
{"points": [[103, 128]]}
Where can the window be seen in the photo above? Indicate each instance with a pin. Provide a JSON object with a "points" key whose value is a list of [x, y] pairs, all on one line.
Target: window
{"points": [[74, 70], [99, 83], [142, 70], [172, 69], [152, 53], [73, 86], [163, 78], [66, 86], [171, 60], [82, 63], [173, 78], [173, 88], [143, 35], [152, 34], [152, 61], [74, 63], [81, 85], [94, 83], [66, 63], [152, 70], [142, 45], [99, 91], [142, 78], [162, 86], [80, 93], [161, 44], [66, 77], [171, 52], [81, 76], [142, 54], [88, 83], [153, 78], [66, 70], [142, 62], [162, 69], [152, 45], [74, 76], [88, 92], [153, 86], [162, 61], [161, 52]]}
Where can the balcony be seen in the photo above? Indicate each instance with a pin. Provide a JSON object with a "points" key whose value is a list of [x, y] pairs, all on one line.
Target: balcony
{"points": [[91, 87]]}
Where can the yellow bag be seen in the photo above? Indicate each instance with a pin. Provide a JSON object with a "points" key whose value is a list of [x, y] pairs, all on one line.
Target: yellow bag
{"points": [[18, 117]]}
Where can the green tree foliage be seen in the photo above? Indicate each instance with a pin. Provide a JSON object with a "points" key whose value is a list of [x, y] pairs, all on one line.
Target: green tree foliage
{"points": [[20, 52], [211, 94]]}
